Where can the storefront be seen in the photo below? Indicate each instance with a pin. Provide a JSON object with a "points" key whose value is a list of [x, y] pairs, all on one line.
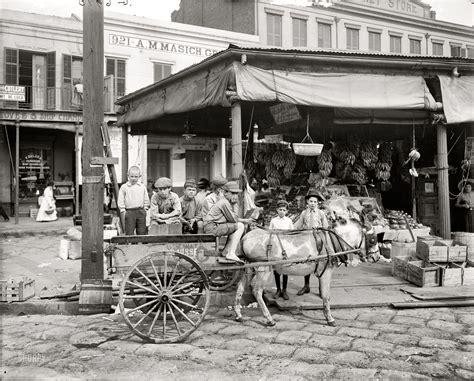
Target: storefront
{"points": [[366, 109]]}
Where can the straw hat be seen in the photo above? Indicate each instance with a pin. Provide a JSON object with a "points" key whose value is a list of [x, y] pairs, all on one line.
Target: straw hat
{"points": [[463, 183]]}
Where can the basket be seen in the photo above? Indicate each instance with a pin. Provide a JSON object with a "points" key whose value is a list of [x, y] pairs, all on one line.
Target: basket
{"points": [[307, 149]]}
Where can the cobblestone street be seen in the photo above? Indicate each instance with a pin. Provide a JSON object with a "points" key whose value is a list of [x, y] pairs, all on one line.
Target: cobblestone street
{"points": [[379, 343]]}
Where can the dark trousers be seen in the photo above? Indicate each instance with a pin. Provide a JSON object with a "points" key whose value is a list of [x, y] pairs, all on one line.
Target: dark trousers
{"points": [[135, 219]]}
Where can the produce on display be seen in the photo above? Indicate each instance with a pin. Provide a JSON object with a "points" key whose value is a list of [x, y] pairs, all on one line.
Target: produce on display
{"points": [[400, 220], [325, 162]]}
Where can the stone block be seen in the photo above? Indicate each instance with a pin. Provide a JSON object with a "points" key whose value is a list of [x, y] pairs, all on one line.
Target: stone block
{"points": [[293, 337], [358, 332]]}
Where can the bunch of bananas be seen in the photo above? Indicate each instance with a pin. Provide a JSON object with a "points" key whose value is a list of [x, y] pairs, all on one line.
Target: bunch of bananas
{"points": [[414, 154], [347, 152], [385, 153], [278, 159], [369, 154], [359, 173], [290, 162], [273, 181], [271, 170], [382, 171], [325, 162]]}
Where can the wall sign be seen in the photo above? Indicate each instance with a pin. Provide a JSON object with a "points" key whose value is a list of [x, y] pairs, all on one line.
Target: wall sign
{"points": [[401, 6], [163, 46], [41, 116], [12, 93]]}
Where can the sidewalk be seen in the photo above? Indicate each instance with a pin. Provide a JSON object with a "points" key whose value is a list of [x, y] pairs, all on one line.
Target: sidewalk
{"points": [[29, 227]]}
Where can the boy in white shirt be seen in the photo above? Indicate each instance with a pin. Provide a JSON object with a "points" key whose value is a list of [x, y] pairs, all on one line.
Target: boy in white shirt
{"points": [[281, 222]]}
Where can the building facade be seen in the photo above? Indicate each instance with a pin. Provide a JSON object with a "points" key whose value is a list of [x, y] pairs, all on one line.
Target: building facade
{"points": [[407, 27], [41, 100]]}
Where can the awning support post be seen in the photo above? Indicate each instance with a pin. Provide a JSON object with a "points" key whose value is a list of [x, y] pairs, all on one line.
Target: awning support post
{"points": [[443, 182], [237, 168], [17, 171]]}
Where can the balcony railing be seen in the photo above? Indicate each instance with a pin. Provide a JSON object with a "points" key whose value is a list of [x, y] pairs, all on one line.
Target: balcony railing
{"points": [[66, 98]]}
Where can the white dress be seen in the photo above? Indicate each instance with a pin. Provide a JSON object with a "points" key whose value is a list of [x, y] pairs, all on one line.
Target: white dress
{"points": [[47, 203]]}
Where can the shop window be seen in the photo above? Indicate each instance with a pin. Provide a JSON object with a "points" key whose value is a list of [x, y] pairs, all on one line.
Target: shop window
{"points": [[374, 41], [274, 30], [299, 32], [198, 164], [160, 71], [72, 90], [116, 67], [437, 49], [352, 38], [395, 44], [324, 35], [415, 46], [35, 170], [470, 52]]}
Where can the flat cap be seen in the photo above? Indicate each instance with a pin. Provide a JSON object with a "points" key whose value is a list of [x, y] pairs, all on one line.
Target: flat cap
{"points": [[190, 183], [282, 204], [232, 186], [203, 183], [219, 181], [163, 182]]}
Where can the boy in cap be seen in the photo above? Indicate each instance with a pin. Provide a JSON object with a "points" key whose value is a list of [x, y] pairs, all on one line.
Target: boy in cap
{"points": [[216, 190], [133, 202], [165, 205], [191, 208], [312, 218], [281, 222], [221, 220]]}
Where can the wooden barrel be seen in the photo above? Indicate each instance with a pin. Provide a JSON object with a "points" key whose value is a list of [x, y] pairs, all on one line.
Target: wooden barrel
{"points": [[95, 296], [401, 249], [463, 238]]}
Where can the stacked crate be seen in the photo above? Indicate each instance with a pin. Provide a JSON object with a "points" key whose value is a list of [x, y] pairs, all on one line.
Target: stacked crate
{"points": [[437, 262]]}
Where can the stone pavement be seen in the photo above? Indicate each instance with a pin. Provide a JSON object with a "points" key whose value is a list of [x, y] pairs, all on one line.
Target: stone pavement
{"points": [[29, 227], [367, 343]]}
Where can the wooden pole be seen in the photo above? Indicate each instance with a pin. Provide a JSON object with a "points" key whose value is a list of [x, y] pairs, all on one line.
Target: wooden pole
{"points": [[413, 180], [93, 114], [77, 200], [124, 154], [17, 171], [236, 111], [443, 182]]}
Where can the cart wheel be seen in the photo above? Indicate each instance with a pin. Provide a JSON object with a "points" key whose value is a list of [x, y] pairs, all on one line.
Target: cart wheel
{"points": [[171, 294], [220, 280]]}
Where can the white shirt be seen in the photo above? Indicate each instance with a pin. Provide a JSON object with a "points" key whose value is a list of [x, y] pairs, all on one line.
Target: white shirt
{"points": [[281, 223]]}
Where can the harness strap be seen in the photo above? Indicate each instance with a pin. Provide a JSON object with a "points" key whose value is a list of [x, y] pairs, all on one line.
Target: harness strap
{"points": [[269, 245]]}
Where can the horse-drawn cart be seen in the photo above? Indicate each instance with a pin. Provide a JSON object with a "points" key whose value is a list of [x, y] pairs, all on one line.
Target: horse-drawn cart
{"points": [[165, 281]]}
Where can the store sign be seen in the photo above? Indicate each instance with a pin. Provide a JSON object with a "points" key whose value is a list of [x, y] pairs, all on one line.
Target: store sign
{"points": [[40, 116], [402, 6], [284, 113], [163, 46], [12, 93]]}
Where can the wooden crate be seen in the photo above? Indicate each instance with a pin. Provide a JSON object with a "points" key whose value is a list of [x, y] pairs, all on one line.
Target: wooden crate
{"points": [[468, 274], [399, 266], [440, 251], [451, 274], [423, 275], [17, 291]]}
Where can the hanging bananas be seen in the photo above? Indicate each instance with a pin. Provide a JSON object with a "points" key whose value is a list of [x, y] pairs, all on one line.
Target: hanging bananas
{"points": [[325, 163]]}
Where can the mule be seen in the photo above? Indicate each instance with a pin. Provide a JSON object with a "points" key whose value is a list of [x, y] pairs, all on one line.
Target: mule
{"points": [[266, 245]]}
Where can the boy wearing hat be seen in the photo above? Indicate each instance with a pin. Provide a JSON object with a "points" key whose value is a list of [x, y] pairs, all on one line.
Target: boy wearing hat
{"points": [[281, 222], [191, 208], [312, 218], [165, 205], [133, 202], [221, 220], [216, 190]]}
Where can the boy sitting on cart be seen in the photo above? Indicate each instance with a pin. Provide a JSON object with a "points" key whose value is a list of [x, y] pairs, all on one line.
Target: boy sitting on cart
{"points": [[221, 220], [191, 209], [165, 205]]}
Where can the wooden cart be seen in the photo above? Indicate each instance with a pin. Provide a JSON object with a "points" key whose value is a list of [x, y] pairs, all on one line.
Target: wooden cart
{"points": [[166, 281]]}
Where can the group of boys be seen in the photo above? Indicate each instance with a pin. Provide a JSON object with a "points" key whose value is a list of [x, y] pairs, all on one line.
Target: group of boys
{"points": [[211, 210]]}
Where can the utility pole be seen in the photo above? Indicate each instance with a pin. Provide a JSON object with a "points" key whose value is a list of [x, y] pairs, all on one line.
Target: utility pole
{"points": [[93, 115]]}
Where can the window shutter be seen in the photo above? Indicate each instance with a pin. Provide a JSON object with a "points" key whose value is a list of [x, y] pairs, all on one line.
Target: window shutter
{"points": [[11, 66]]}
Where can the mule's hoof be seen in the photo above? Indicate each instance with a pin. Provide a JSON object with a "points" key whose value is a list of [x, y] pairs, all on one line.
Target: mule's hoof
{"points": [[239, 319], [332, 323], [270, 323]]}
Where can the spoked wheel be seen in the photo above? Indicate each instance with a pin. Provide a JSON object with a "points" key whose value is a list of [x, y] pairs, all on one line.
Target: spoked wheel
{"points": [[171, 296], [220, 280]]}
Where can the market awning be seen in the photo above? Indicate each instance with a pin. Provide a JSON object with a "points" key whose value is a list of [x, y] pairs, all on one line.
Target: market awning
{"points": [[337, 90], [254, 84], [458, 98]]}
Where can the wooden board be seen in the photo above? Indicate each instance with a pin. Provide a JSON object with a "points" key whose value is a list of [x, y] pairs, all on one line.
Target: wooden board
{"points": [[447, 303], [433, 293]]}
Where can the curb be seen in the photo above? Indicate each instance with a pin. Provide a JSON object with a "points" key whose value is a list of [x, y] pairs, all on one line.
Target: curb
{"points": [[47, 307], [19, 233]]}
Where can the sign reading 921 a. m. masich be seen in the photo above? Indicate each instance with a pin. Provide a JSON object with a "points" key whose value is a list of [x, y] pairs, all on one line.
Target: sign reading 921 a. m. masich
{"points": [[164, 46]]}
